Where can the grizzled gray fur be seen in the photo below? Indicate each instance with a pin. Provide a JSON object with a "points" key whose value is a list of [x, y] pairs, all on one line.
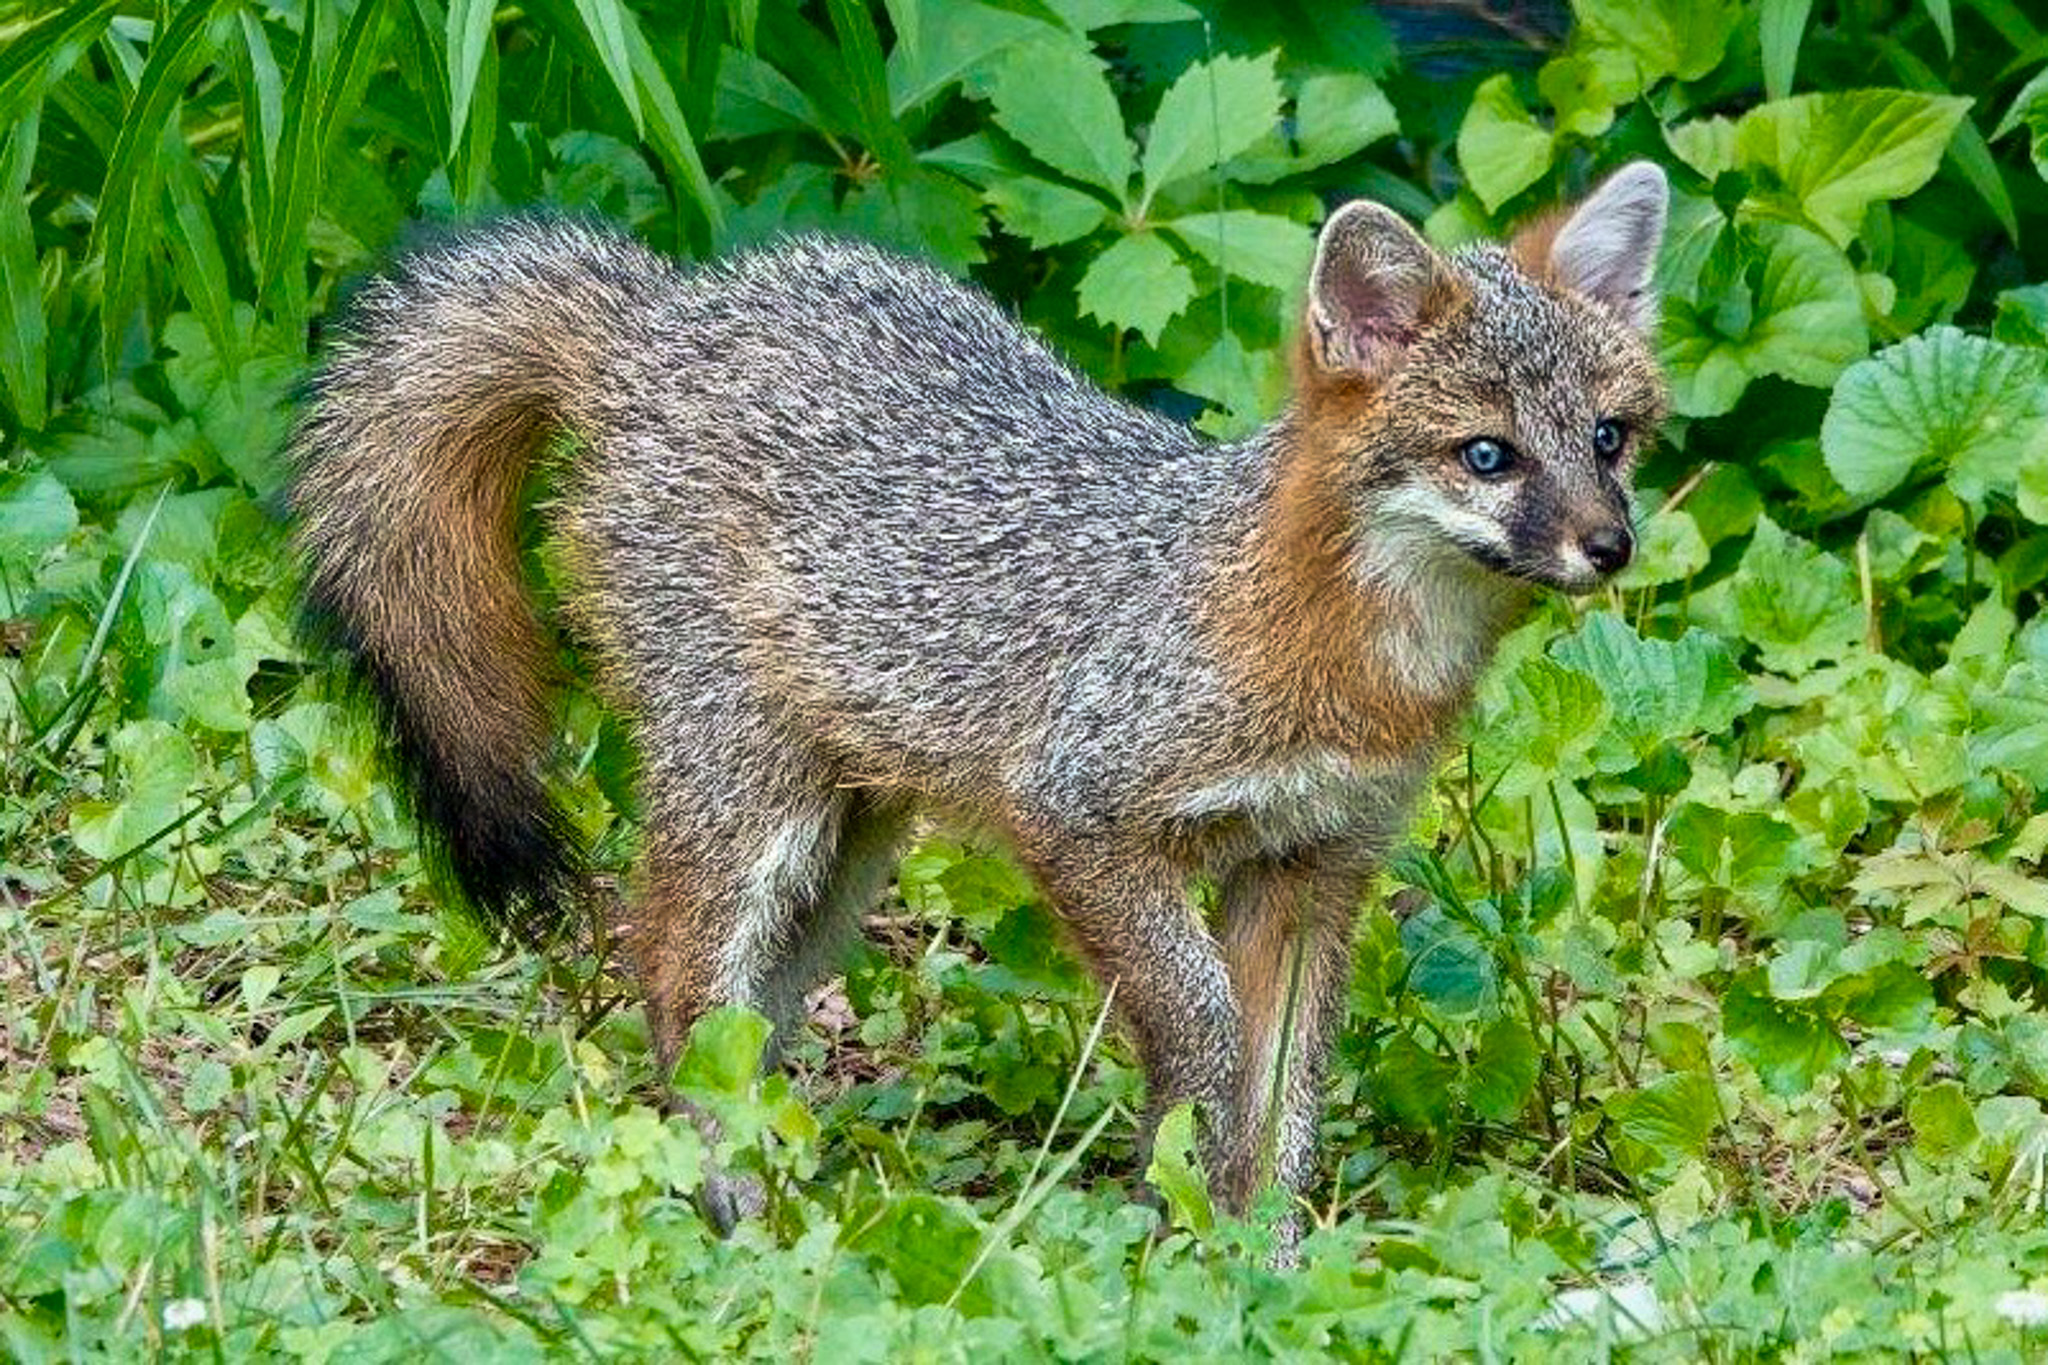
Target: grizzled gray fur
{"points": [[847, 543]]}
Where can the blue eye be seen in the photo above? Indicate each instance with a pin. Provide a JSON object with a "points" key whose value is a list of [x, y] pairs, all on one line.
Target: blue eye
{"points": [[1488, 458], [1609, 436]]}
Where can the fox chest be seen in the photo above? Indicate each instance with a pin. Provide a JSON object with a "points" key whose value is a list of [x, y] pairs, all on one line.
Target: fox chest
{"points": [[1317, 799]]}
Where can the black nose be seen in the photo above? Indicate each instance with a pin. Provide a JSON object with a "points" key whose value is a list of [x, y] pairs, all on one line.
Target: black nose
{"points": [[1609, 548]]}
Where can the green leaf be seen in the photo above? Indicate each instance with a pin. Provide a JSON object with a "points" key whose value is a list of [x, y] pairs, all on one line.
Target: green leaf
{"points": [[1665, 1122], [1502, 147], [723, 1056], [923, 1241], [1338, 115], [2029, 109], [1682, 38], [1835, 154], [1137, 284], [36, 515], [34, 60], [1416, 1085], [860, 54], [2023, 316], [604, 21], [1055, 99], [1801, 319], [1796, 603], [157, 767], [1944, 1124], [1176, 1172], [1448, 965], [1781, 25], [1669, 549], [1503, 1072], [468, 32], [1655, 689], [1538, 724], [1750, 853], [670, 131], [1261, 247], [1044, 212], [1214, 111], [124, 228], [24, 334], [1790, 1044], [1945, 402]]}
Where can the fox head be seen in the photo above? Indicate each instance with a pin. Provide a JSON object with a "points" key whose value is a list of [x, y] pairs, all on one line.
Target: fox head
{"points": [[1490, 402]]}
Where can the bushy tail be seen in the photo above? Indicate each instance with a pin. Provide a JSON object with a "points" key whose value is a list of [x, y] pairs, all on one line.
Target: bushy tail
{"points": [[407, 465]]}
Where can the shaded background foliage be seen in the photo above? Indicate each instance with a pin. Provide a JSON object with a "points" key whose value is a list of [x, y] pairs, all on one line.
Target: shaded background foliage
{"points": [[1710, 1022]]}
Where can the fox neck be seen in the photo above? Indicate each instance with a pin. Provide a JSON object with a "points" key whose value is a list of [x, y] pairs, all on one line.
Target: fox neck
{"points": [[1348, 622]]}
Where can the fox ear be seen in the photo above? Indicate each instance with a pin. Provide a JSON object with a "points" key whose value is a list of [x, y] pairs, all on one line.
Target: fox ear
{"points": [[1607, 249], [1372, 285]]}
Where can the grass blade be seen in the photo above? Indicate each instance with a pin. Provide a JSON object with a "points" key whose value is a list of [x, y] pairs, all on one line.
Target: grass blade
{"points": [[469, 31], [666, 125], [38, 57], [605, 21]]}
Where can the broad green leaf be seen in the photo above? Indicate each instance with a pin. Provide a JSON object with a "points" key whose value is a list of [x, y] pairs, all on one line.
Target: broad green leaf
{"points": [[723, 1055], [924, 212], [1503, 1072], [1682, 38], [604, 21], [1795, 602], [1214, 111], [1944, 1124], [1790, 1044], [1176, 1172], [1337, 115], [24, 336], [1137, 284], [1502, 147], [1055, 99], [1045, 213], [1656, 690], [954, 40], [157, 766], [1834, 154], [1448, 965], [2023, 316], [1669, 549], [1750, 853], [924, 1241], [36, 515], [1781, 25], [1537, 724], [1968, 408], [1801, 319], [1261, 247], [1416, 1085], [1665, 1122], [1583, 87]]}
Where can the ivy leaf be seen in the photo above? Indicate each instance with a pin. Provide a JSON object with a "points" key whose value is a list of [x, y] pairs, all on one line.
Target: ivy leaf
{"points": [[1835, 154], [1682, 38], [1970, 408], [1216, 110], [1502, 147], [1261, 247], [1055, 99], [1138, 284], [1044, 212]]}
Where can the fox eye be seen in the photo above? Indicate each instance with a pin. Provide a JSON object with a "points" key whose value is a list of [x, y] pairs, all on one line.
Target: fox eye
{"points": [[1609, 436], [1488, 458]]}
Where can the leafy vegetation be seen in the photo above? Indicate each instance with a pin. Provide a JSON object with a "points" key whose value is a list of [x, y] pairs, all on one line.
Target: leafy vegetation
{"points": [[1702, 1018]]}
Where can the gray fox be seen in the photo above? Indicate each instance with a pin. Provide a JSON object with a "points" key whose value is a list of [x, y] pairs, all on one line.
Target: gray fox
{"points": [[846, 542]]}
